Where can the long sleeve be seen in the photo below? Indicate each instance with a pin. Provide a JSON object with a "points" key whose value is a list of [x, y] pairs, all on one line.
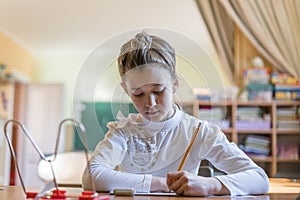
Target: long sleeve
{"points": [[243, 176], [107, 155], [253, 181], [108, 179]]}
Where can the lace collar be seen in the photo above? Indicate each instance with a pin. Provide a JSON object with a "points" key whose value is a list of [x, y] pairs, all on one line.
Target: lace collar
{"points": [[149, 128]]}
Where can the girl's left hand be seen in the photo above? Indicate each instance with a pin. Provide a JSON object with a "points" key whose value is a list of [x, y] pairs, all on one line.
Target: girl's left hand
{"points": [[158, 184], [187, 184]]}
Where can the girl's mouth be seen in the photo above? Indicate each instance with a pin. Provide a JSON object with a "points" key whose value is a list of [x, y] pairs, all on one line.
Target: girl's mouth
{"points": [[152, 112]]}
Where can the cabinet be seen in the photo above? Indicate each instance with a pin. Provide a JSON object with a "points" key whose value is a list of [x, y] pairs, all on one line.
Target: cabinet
{"points": [[6, 112], [269, 128], [40, 108]]}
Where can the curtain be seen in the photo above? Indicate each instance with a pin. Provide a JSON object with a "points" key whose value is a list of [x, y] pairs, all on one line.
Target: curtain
{"points": [[272, 26], [221, 29]]}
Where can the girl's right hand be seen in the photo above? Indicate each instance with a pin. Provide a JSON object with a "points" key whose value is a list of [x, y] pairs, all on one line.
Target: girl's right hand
{"points": [[187, 184]]}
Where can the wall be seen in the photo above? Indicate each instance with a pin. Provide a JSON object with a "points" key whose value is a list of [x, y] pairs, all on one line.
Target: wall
{"points": [[66, 69], [16, 58], [93, 76], [194, 71], [60, 69], [22, 64]]}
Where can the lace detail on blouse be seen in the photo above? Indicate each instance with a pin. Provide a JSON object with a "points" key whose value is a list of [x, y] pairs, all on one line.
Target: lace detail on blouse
{"points": [[142, 146]]}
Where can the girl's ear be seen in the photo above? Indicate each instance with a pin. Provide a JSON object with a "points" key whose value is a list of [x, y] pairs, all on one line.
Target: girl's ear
{"points": [[176, 84]]}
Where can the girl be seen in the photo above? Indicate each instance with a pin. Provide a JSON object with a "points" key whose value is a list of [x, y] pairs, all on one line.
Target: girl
{"points": [[143, 151]]}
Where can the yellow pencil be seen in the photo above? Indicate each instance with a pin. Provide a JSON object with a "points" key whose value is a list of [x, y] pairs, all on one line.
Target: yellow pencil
{"points": [[189, 148]]}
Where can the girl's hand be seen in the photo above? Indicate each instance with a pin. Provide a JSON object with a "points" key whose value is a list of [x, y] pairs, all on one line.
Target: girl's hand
{"points": [[187, 184], [158, 184]]}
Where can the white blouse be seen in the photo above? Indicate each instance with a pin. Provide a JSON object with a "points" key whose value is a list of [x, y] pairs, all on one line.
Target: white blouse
{"points": [[135, 149]]}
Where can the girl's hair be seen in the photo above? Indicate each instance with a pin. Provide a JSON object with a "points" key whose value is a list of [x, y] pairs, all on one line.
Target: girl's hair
{"points": [[146, 49]]}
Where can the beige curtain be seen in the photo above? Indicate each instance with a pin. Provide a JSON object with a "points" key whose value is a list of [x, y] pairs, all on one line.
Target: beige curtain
{"points": [[273, 27], [221, 29]]}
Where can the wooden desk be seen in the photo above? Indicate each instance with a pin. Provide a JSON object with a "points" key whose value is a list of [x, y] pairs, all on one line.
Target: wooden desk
{"points": [[280, 189], [11, 192], [16, 193]]}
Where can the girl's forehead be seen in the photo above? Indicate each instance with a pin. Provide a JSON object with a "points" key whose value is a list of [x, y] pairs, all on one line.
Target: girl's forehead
{"points": [[148, 75]]}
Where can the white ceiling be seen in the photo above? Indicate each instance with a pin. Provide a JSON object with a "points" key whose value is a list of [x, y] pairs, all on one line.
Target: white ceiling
{"points": [[76, 26]]}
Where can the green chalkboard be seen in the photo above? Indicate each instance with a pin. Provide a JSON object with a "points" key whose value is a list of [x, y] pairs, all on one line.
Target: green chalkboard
{"points": [[95, 116]]}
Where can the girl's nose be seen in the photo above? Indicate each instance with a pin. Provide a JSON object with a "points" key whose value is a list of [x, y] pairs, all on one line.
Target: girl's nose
{"points": [[151, 100]]}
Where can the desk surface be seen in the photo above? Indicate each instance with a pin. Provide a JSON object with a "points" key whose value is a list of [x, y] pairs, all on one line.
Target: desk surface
{"points": [[280, 189], [16, 193]]}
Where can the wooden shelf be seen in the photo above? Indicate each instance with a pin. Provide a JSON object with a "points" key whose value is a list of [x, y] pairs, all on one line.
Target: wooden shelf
{"points": [[288, 131], [287, 160], [270, 108], [209, 103], [254, 131], [262, 158], [254, 103], [287, 103]]}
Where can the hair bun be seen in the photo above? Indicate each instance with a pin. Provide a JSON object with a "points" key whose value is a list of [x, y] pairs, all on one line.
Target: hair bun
{"points": [[142, 40]]}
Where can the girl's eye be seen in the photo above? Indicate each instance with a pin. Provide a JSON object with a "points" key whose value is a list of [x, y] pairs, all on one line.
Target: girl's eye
{"points": [[159, 90], [137, 94]]}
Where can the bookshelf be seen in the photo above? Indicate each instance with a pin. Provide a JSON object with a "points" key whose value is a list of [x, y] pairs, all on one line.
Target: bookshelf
{"points": [[6, 112], [274, 164]]}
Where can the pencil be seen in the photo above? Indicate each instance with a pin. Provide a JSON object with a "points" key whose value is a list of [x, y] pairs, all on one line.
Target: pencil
{"points": [[189, 148]]}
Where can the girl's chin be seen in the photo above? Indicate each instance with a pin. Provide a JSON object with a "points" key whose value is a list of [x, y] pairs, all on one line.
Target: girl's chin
{"points": [[155, 118]]}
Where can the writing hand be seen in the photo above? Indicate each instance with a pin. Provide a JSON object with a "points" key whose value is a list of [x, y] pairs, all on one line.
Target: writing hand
{"points": [[158, 184], [187, 184]]}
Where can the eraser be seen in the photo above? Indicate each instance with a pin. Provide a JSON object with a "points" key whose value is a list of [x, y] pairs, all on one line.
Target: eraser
{"points": [[124, 192]]}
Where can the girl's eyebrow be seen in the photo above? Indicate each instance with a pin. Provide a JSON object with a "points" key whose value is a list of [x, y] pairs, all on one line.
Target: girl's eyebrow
{"points": [[154, 85], [134, 89]]}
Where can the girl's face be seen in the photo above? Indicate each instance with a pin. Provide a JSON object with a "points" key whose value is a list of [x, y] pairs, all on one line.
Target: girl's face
{"points": [[151, 90]]}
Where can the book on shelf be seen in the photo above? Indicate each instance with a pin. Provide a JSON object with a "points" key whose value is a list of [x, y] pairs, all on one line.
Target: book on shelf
{"points": [[223, 124], [286, 111], [259, 92], [288, 124], [211, 113], [283, 78], [286, 87], [287, 151], [258, 124], [249, 113], [215, 116], [287, 92], [252, 118], [288, 118], [256, 145]]}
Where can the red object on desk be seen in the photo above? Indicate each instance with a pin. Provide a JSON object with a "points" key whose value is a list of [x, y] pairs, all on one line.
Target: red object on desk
{"points": [[31, 195], [89, 195], [58, 194]]}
